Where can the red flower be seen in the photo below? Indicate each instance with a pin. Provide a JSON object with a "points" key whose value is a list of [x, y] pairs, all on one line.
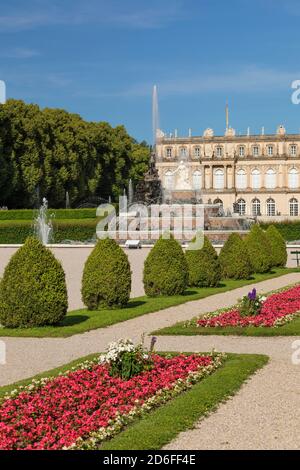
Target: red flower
{"points": [[72, 406], [276, 306]]}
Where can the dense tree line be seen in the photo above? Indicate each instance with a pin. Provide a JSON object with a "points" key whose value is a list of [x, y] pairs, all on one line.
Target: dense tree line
{"points": [[48, 152]]}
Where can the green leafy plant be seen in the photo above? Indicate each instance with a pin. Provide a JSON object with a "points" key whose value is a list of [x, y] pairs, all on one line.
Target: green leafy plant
{"points": [[204, 266], [259, 249], [106, 280], [234, 258], [165, 269], [251, 304], [33, 289], [126, 360], [278, 246]]}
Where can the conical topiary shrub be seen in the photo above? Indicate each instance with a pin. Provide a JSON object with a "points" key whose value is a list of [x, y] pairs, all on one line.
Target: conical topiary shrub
{"points": [[259, 250], [204, 266], [165, 269], [33, 288], [234, 258], [278, 246], [106, 280]]}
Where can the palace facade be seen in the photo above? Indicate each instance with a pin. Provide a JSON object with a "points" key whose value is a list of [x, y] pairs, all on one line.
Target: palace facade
{"points": [[255, 175]]}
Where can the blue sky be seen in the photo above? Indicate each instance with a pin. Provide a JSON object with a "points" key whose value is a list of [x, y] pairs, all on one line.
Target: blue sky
{"points": [[100, 58]]}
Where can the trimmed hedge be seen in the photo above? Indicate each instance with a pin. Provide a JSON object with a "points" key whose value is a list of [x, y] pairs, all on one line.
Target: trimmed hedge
{"points": [[106, 280], [30, 214], [165, 269], [33, 289], [290, 230], [16, 232], [278, 246], [234, 258], [259, 250], [204, 266]]}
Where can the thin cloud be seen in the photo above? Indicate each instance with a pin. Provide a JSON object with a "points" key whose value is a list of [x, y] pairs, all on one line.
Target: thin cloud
{"points": [[18, 53], [247, 80], [114, 14]]}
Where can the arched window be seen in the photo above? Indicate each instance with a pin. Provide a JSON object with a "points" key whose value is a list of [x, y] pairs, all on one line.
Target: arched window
{"points": [[256, 207], [169, 180], [256, 179], [218, 201], [294, 206], [241, 179], [218, 179], [270, 179], [293, 180], [241, 204], [197, 180], [271, 207]]}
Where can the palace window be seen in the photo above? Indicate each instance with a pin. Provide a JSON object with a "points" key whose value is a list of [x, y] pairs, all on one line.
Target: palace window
{"points": [[169, 152], [197, 180], [270, 150], [241, 179], [271, 207], [169, 180], [218, 201], [241, 151], [270, 179], [197, 152], [293, 150], [294, 206], [241, 204], [183, 152], [256, 179], [255, 151], [219, 151], [256, 207], [219, 179], [293, 179]]}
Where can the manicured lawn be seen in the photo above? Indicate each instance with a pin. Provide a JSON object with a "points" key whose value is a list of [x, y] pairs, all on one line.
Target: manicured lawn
{"points": [[289, 329], [80, 321], [159, 427]]}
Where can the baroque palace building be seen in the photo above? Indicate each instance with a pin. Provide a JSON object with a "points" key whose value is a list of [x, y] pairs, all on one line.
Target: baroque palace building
{"points": [[254, 175]]}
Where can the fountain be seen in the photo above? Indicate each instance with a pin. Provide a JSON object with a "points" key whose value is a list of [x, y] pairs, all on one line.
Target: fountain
{"points": [[149, 190], [130, 192], [43, 228], [67, 200]]}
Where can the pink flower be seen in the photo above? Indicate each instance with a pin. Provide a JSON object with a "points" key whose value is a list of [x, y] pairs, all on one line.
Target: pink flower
{"points": [[72, 406], [277, 306]]}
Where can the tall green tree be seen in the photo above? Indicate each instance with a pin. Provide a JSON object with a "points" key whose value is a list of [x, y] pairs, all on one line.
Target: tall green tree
{"points": [[51, 151]]}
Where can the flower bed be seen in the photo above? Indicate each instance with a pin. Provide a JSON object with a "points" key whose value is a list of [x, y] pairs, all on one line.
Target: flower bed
{"points": [[278, 309], [82, 408]]}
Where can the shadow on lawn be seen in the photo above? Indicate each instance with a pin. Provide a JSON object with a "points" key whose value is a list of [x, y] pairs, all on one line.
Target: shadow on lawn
{"points": [[71, 320]]}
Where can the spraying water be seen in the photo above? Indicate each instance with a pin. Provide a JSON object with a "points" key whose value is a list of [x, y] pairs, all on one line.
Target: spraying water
{"points": [[130, 192], [67, 200], [155, 115], [43, 228]]}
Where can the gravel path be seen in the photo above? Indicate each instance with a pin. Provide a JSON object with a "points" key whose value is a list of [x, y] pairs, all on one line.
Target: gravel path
{"points": [[265, 414]]}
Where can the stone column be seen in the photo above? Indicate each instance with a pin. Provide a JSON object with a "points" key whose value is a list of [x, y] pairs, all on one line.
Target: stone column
{"points": [[211, 177], [203, 177], [248, 176], [225, 177]]}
